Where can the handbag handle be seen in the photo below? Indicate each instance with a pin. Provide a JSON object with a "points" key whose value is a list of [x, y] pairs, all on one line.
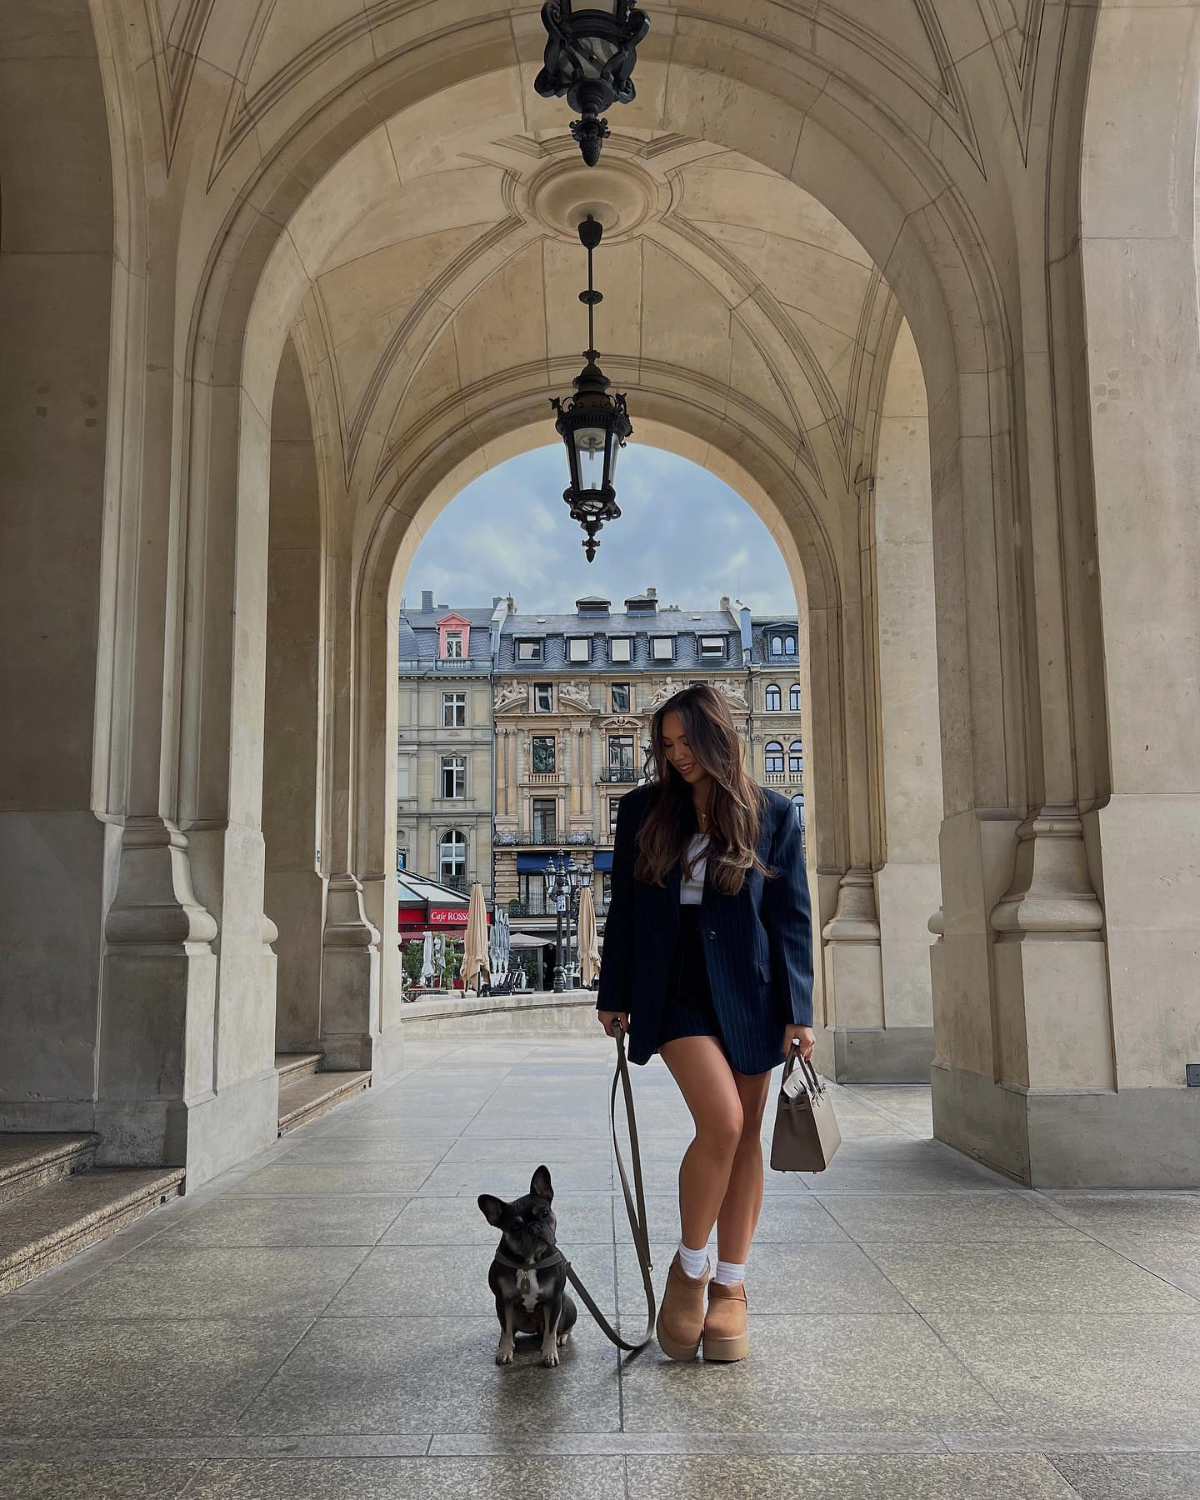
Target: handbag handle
{"points": [[811, 1080]]}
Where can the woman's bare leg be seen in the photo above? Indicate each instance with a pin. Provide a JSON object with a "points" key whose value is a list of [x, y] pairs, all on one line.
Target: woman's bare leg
{"points": [[708, 1086], [737, 1217]]}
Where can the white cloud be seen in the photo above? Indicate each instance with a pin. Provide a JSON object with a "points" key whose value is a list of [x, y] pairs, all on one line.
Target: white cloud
{"points": [[682, 530]]}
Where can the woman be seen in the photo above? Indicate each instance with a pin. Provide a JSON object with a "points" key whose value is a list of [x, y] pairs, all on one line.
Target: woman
{"points": [[708, 961]]}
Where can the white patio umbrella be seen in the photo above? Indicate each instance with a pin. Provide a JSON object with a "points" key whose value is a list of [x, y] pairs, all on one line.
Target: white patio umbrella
{"points": [[475, 945], [427, 958], [589, 938]]}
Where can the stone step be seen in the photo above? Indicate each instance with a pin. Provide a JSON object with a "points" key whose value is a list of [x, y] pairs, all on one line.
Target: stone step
{"points": [[294, 1065], [44, 1228], [315, 1095], [29, 1161]]}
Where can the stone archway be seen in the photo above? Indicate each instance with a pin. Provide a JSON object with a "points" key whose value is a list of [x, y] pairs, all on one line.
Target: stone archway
{"points": [[273, 134], [254, 283]]}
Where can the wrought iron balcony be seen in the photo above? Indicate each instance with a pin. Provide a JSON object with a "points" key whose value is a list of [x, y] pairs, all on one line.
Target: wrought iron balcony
{"points": [[544, 838], [451, 666], [618, 773]]}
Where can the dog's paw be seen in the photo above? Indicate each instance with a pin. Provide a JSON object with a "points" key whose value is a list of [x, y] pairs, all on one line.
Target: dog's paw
{"points": [[562, 1339], [504, 1356], [551, 1359]]}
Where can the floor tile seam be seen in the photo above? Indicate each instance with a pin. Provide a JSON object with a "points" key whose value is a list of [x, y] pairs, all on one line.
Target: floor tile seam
{"points": [[650, 1444], [1119, 1245], [968, 1371], [908, 1302], [296, 1342], [203, 1465], [1054, 1467], [886, 1114]]}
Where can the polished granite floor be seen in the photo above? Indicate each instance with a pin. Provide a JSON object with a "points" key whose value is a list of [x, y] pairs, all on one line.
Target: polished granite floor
{"points": [[317, 1323]]}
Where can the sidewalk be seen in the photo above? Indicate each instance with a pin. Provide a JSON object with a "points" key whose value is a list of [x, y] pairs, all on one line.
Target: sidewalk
{"points": [[318, 1324]]}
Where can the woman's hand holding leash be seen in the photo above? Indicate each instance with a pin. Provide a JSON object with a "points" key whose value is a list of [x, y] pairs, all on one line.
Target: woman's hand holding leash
{"points": [[803, 1037], [607, 1019]]}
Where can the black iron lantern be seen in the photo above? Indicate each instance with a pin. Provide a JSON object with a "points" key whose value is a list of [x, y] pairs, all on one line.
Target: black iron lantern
{"points": [[591, 48], [593, 424]]}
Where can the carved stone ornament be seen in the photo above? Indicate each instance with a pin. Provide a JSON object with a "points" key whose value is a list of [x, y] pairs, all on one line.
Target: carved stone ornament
{"points": [[509, 697], [661, 693], [575, 694], [731, 691]]}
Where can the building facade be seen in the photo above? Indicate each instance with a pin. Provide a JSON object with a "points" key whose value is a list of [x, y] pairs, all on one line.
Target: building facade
{"points": [[444, 745], [574, 695]]}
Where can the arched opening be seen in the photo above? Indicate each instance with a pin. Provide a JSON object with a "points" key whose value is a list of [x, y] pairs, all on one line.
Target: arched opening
{"points": [[449, 368]]}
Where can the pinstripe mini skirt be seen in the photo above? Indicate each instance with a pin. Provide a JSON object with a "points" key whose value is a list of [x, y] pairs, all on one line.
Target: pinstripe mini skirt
{"points": [[688, 1008]]}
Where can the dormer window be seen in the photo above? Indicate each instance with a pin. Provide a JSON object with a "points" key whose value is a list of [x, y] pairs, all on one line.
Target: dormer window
{"points": [[529, 650], [579, 649], [712, 645], [454, 638]]}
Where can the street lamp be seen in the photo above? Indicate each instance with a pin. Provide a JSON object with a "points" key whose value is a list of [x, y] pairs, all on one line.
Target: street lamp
{"points": [[592, 424], [563, 880], [591, 49]]}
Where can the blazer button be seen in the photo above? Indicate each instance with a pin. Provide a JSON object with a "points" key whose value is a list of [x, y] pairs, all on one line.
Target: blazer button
{"points": [[712, 933]]}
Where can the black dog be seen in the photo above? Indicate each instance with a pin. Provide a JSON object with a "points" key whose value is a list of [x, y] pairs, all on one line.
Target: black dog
{"points": [[527, 1275]]}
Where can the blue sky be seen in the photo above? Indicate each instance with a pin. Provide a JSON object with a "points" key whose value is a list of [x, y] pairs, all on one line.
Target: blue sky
{"points": [[682, 531]]}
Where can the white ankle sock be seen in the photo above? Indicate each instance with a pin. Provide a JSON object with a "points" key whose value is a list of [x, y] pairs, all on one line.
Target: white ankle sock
{"points": [[693, 1263], [729, 1272]]}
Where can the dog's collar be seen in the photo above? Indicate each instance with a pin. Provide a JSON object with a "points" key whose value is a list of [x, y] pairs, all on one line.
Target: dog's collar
{"points": [[555, 1258]]}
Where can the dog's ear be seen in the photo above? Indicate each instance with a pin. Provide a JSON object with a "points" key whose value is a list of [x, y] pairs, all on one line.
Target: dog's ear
{"points": [[492, 1208], [541, 1185]]}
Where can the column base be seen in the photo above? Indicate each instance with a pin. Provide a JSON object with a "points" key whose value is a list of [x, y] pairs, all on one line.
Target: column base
{"points": [[1050, 1138], [205, 1136], [876, 1054]]}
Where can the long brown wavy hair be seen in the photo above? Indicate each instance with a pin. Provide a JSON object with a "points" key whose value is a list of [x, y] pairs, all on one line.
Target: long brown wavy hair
{"points": [[735, 805]]}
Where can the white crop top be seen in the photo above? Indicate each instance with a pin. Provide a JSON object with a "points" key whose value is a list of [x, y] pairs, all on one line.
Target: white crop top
{"points": [[691, 891]]}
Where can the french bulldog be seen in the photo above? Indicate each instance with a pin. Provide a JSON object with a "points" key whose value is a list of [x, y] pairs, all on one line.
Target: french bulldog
{"points": [[527, 1276]]}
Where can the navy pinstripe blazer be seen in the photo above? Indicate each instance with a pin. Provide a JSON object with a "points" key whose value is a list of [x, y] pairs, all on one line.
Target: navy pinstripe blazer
{"points": [[757, 944]]}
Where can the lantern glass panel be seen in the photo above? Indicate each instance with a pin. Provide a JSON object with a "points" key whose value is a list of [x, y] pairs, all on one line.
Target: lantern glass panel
{"points": [[589, 446]]}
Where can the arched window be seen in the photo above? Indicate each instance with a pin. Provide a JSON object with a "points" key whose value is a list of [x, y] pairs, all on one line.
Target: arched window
{"points": [[774, 698], [776, 645], [794, 698], [789, 645], [452, 856], [774, 756], [795, 759]]}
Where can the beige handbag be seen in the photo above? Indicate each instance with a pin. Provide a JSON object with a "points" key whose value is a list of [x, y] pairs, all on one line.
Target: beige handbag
{"points": [[806, 1130]]}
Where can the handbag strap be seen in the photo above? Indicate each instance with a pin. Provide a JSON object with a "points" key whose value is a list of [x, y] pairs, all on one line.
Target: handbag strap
{"points": [[812, 1081], [637, 1215]]}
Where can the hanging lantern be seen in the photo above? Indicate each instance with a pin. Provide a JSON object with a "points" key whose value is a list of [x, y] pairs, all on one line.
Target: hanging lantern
{"points": [[591, 49], [593, 424]]}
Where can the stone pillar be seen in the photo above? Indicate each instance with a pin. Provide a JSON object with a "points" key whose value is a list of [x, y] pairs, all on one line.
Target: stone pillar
{"points": [[908, 885], [56, 287], [853, 981], [851, 963], [360, 911], [350, 1021], [1141, 345], [294, 892]]}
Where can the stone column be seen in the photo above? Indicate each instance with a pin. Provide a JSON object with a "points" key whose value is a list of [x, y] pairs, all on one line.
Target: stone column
{"points": [[294, 890], [908, 884], [57, 277], [362, 957], [1141, 345], [851, 964]]}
